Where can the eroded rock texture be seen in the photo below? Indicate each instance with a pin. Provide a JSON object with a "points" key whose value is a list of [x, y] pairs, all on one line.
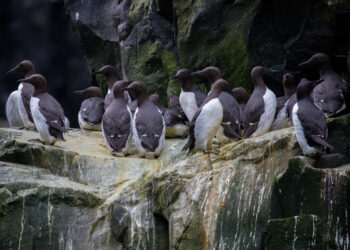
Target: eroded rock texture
{"points": [[255, 193], [151, 39]]}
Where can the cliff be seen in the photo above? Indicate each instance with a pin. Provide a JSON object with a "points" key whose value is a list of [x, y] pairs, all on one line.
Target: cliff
{"points": [[245, 195]]}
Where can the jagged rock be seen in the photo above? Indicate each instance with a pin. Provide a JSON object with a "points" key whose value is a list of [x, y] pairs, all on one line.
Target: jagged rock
{"points": [[150, 39], [244, 196]]}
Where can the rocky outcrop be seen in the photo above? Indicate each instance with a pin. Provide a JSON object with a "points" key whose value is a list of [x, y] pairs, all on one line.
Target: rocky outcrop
{"points": [[149, 40], [255, 193]]}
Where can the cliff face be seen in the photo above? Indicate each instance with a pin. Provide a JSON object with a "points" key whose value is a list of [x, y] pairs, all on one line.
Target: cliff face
{"points": [[150, 39], [245, 195]]}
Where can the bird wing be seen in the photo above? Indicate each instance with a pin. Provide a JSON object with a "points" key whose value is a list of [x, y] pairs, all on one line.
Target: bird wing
{"points": [[231, 116], [252, 112], [314, 125], [92, 110]]}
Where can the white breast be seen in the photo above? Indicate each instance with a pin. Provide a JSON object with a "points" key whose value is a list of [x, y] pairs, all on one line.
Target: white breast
{"points": [[281, 120], [267, 117], [207, 124], [188, 104], [299, 132], [40, 121], [12, 111], [22, 110]]}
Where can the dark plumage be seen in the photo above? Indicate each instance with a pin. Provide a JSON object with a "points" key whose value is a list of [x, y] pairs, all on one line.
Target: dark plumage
{"points": [[330, 94], [91, 109], [241, 95], [157, 101], [207, 119], [230, 121], [116, 122], [111, 73], [309, 121], [175, 119], [48, 114], [148, 123], [261, 107]]}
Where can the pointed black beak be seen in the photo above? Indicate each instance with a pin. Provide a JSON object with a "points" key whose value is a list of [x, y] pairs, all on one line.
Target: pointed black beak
{"points": [[125, 89], [174, 76], [303, 65], [10, 71], [21, 80], [274, 71], [96, 73], [196, 73], [79, 92]]}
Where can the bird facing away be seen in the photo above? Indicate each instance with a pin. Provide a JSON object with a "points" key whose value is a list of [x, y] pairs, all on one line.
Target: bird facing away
{"points": [[117, 122], [310, 124], [157, 101], [329, 94], [18, 104], [241, 95], [48, 114], [230, 128], [261, 106], [191, 96], [281, 117], [207, 119], [148, 126], [91, 109], [175, 119]]}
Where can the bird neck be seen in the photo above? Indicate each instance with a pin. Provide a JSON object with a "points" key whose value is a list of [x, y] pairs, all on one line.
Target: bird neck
{"points": [[186, 83], [213, 78], [111, 80], [29, 73], [289, 91]]}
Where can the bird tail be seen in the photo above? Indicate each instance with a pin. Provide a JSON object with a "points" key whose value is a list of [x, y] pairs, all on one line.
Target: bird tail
{"points": [[320, 141], [190, 141]]}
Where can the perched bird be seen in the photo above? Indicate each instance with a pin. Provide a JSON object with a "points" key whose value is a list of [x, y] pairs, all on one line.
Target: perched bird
{"points": [[191, 96], [230, 128], [148, 126], [310, 124], [281, 117], [261, 107], [91, 109], [111, 73], [175, 119], [241, 95], [117, 122], [207, 119], [328, 95], [18, 104], [157, 101], [48, 114]]}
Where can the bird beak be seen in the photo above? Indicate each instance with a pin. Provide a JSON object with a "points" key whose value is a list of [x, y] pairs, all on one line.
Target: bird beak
{"points": [[196, 73], [174, 76], [126, 88], [21, 80], [303, 64], [96, 73], [10, 71], [79, 92], [274, 71]]}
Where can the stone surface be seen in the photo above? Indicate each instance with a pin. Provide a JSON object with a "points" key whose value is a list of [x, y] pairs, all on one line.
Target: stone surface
{"points": [[243, 195], [150, 39]]}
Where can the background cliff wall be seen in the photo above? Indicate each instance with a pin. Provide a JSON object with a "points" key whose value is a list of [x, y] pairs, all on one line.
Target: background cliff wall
{"points": [[150, 39]]}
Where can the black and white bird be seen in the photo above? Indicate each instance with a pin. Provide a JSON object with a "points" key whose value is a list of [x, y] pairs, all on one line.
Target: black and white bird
{"points": [[310, 124], [48, 114], [18, 103], [241, 95], [91, 109], [157, 101], [261, 106], [191, 96], [111, 73], [148, 124], [207, 119], [230, 127], [117, 122], [175, 119], [281, 117], [330, 94]]}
